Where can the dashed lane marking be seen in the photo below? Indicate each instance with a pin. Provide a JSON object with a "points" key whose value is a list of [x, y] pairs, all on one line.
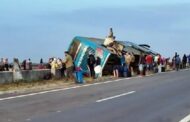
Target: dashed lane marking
{"points": [[186, 119], [116, 96], [74, 87]]}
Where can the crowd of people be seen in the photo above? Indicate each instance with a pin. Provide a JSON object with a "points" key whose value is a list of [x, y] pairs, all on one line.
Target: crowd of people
{"points": [[180, 63], [128, 64], [65, 66], [4, 64], [27, 64], [147, 64]]}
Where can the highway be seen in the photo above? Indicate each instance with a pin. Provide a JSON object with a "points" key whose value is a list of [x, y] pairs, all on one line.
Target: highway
{"points": [[163, 97]]}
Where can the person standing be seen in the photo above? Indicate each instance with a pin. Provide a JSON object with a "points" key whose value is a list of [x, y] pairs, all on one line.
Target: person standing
{"points": [[189, 60], [123, 66], [60, 67], [30, 64], [184, 61], [173, 61], [110, 35], [48, 65], [27, 64], [69, 65], [41, 61], [116, 71], [98, 68], [177, 62], [6, 64], [2, 66], [91, 61], [149, 63], [128, 59], [41, 65], [98, 61], [142, 63], [54, 67], [132, 64], [24, 65], [17, 74], [123, 62]]}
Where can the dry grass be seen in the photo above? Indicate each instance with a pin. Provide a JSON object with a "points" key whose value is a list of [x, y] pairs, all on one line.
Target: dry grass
{"points": [[27, 87], [33, 86]]}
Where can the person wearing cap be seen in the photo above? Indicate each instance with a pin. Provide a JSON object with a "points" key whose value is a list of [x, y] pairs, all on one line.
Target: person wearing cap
{"points": [[68, 61]]}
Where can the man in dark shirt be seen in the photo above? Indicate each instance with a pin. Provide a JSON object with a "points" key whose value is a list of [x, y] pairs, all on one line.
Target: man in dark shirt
{"points": [[91, 62], [98, 61]]}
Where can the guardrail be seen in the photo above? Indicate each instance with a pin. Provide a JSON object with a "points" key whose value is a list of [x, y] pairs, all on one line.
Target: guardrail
{"points": [[27, 75]]}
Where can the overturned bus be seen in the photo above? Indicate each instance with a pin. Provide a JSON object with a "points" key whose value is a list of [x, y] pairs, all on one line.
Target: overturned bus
{"points": [[80, 48]]}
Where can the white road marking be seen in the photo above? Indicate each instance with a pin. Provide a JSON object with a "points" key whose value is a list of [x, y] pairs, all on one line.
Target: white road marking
{"points": [[38, 93], [57, 90], [186, 119], [113, 97], [28, 119], [118, 79], [9, 120], [64, 89], [149, 75], [58, 111], [129, 78]]}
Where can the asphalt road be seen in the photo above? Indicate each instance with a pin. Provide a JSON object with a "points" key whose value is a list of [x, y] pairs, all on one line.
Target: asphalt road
{"points": [[159, 98]]}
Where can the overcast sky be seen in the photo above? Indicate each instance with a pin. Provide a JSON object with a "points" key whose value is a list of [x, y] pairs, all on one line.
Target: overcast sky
{"points": [[43, 28]]}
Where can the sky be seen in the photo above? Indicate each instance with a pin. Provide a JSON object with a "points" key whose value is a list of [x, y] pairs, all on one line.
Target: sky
{"points": [[44, 28]]}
